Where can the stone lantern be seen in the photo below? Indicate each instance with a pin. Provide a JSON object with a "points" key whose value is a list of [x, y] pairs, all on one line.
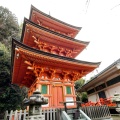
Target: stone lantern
{"points": [[116, 99], [34, 102]]}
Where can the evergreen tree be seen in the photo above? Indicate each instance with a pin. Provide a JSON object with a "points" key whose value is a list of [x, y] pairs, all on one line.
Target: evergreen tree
{"points": [[9, 26], [79, 83], [81, 96], [11, 96]]}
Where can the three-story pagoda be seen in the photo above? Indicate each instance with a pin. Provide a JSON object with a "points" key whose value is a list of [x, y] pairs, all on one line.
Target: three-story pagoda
{"points": [[44, 58]]}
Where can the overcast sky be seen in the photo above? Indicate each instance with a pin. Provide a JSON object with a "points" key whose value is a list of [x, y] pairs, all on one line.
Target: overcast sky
{"points": [[99, 19]]}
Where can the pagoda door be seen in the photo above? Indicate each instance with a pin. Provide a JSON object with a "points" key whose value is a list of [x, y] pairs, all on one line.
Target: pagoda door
{"points": [[57, 95]]}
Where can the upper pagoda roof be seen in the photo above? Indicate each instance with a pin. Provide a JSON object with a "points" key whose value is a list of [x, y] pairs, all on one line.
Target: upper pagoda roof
{"points": [[32, 32], [52, 23], [21, 53]]}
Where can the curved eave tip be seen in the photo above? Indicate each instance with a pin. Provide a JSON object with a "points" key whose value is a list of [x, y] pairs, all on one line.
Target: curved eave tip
{"points": [[79, 28], [98, 64]]}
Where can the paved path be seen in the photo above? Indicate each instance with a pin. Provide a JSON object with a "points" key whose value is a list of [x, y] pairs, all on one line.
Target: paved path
{"points": [[116, 117]]}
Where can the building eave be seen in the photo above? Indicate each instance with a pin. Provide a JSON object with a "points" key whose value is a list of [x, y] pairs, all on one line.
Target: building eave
{"points": [[55, 56], [103, 74], [46, 59]]}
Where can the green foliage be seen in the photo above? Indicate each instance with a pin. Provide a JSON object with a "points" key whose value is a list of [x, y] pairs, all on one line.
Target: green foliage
{"points": [[8, 26], [7, 96], [84, 97], [80, 96], [4, 60], [79, 83], [10, 99], [11, 96]]}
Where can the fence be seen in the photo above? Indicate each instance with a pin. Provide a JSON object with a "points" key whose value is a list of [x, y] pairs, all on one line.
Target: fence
{"points": [[93, 112], [50, 114], [16, 115], [97, 112]]}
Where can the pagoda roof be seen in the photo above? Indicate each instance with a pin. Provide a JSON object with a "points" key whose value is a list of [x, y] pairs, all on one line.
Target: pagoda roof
{"points": [[52, 22], [31, 30], [43, 58]]}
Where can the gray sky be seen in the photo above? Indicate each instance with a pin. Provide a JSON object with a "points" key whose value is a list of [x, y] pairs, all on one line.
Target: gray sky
{"points": [[100, 24]]}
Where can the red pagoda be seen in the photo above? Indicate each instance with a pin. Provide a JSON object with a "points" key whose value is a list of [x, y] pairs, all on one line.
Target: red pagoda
{"points": [[44, 58]]}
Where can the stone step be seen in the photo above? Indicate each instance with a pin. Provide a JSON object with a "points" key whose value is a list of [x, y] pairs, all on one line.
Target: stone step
{"points": [[71, 116], [80, 119]]}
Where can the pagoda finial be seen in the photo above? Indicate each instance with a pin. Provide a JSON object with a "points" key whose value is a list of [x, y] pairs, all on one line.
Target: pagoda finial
{"points": [[49, 13]]}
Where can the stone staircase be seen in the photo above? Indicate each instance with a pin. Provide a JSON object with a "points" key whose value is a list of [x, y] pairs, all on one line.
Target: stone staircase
{"points": [[88, 113], [74, 114]]}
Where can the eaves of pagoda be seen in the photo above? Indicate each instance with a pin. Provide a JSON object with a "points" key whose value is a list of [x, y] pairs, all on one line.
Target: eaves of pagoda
{"points": [[35, 35], [25, 59], [52, 23]]}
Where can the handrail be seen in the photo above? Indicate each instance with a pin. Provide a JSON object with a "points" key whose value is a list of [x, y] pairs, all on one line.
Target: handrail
{"points": [[77, 102], [97, 112], [84, 114], [65, 116]]}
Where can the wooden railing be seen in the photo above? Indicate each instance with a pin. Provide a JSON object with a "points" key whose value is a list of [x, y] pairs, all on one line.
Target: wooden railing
{"points": [[50, 114], [16, 115]]}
